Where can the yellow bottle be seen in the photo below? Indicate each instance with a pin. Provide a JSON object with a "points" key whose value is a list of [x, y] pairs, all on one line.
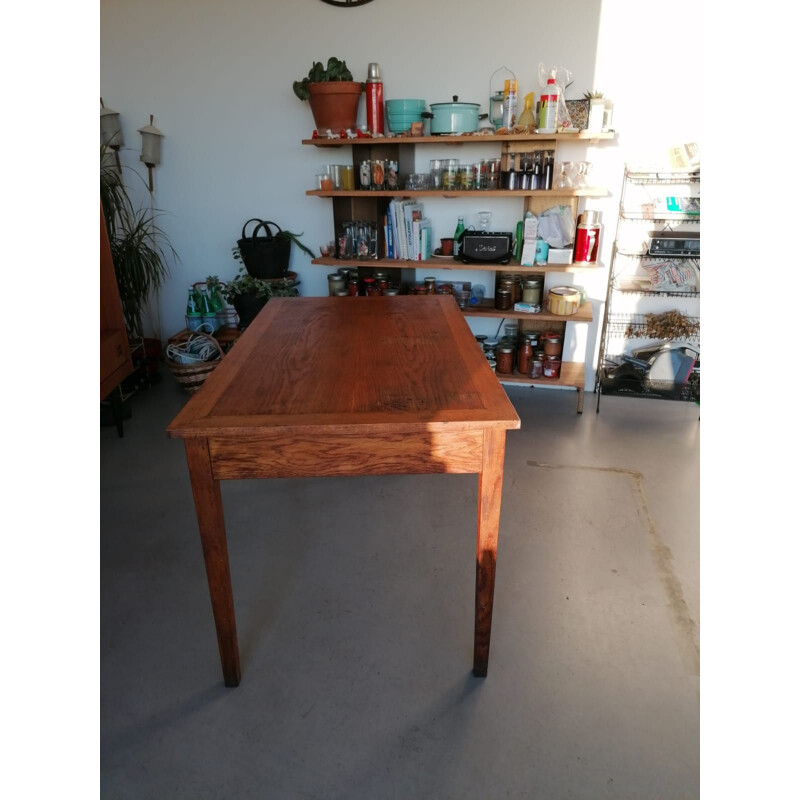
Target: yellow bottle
{"points": [[526, 117]]}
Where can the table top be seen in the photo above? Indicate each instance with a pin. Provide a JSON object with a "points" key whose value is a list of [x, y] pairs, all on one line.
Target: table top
{"points": [[335, 364]]}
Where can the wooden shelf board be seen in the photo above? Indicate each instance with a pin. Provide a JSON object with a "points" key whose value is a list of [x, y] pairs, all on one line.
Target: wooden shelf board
{"points": [[443, 263], [487, 309], [593, 191], [572, 375], [582, 136]]}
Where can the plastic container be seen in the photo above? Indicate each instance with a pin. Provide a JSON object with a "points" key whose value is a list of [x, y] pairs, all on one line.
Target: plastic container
{"points": [[548, 108]]}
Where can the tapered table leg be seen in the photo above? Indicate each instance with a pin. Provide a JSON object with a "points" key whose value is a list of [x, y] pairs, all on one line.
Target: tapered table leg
{"points": [[211, 521], [490, 490]]}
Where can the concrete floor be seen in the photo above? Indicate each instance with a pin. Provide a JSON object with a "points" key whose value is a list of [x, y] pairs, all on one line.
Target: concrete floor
{"points": [[354, 601]]}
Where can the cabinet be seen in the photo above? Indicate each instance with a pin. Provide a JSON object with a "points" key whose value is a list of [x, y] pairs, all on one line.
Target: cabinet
{"points": [[372, 205], [115, 357], [650, 338]]}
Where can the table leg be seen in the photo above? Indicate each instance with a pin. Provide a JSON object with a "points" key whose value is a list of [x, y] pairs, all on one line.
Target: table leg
{"points": [[490, 490], [211, 521]]}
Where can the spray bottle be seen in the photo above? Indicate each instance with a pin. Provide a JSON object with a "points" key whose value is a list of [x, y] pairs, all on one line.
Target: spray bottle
{"points": [[510, 103], [526, 117]]}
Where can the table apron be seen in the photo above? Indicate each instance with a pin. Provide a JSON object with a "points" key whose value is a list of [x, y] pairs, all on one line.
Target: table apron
{"points": [[297, 455]]}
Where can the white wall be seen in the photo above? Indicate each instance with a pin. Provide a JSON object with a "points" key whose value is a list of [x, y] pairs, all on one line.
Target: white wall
{"points": [[218, 78]]}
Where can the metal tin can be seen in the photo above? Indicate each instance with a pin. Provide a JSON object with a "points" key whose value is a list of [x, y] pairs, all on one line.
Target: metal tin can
{"points": [[563, 300]]}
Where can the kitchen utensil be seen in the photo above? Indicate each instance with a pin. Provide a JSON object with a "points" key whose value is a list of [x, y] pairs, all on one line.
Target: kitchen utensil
{"points": [[449, 119]]}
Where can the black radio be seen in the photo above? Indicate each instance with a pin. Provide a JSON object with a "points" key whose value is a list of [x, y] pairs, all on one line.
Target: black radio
{"points": [[490, 248], [670, 243]]}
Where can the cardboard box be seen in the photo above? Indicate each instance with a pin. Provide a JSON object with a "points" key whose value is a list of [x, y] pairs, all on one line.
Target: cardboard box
{"points": [[559, 255]]}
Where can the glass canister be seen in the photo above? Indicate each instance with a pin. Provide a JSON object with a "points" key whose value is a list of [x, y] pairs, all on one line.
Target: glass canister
{"points": [[352, 287], [552, 343], [430, 285], [378, 174], [532, 290], [391, 175], [505, 359], [381, 279], [365, 175], [502, 300], [537, 365], [336, 283]]}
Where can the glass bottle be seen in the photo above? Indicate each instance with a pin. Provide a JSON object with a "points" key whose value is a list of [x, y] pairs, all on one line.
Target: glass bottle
{"points": [[457, 236], [512, 175], [205, 302], [193, 316], [524, 357]]}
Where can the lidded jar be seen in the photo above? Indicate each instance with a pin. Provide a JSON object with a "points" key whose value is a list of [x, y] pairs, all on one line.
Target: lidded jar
{"points": [[505, 359]]}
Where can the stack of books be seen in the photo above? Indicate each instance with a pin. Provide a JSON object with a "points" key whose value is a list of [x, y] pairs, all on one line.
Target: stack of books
{"points": [[407, 231]]}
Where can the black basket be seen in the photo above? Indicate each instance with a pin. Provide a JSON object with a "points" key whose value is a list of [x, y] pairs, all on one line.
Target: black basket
{"points": [[265, 256]]}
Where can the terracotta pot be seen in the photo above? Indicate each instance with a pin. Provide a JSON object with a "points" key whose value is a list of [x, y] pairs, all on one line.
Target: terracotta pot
{"points": [[334, 104]]}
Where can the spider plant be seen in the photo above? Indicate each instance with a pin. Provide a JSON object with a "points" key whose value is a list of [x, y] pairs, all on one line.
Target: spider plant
{"points": [[139, 247]]}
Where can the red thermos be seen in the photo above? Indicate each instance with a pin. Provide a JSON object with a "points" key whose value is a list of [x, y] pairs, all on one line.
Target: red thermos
{"points": [[374, 99], [586, 239]]}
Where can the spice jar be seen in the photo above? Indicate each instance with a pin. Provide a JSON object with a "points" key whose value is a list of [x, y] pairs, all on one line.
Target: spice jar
{"points": [[430, 285], [370, 289], [502, 300], [490, 348], [552, 343], [524, 357], [391, 174], [505, 359], [352, 287]]}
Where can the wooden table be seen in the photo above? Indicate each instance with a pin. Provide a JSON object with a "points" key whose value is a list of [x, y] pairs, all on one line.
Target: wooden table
{"points": [[347, 386]]}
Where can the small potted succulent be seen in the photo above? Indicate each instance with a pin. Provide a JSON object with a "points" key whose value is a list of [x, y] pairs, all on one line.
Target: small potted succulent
{"points": [[332, 94], [249, 295]]}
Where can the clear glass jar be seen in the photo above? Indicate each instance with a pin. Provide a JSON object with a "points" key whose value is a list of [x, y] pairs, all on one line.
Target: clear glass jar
{"points": [[505, 359]]}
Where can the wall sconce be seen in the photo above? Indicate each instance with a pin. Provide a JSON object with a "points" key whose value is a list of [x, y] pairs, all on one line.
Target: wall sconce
{"points": [[151, 148], [111, 131]]}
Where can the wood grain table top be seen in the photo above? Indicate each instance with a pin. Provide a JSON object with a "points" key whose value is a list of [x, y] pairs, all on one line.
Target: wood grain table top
{"points": [[366, 364]]}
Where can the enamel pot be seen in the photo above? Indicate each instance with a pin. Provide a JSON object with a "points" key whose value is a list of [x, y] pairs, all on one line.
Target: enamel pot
{"points": [[448, 119]]}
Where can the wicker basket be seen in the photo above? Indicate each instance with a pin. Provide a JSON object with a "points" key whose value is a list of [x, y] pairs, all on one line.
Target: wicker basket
{"points": [[191, 376]]}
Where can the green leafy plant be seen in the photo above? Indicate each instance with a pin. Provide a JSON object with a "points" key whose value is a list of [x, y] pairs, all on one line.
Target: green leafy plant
{"points": [[245, 285], [335, 71], [592, 95], [139, 247]]}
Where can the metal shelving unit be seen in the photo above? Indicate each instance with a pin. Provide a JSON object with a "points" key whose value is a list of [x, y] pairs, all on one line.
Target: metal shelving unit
{"points": [[650, 335]]}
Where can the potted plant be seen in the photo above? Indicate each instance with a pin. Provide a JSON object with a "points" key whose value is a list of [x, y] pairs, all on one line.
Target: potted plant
{"points": [[249, 295], [139, 248], [332, 94], [267, 256]]}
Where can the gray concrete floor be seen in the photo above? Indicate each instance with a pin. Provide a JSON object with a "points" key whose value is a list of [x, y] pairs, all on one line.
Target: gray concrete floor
{"points": [[354, 602]]}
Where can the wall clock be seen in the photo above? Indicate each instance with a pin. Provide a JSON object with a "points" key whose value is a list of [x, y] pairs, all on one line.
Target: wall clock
{"points": [[346, 3]]}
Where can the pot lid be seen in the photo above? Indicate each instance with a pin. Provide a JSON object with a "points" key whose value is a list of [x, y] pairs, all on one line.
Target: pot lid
{"points": [[456, 102]]}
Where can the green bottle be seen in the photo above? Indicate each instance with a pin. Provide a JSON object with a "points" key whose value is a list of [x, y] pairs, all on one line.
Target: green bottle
{"points": [[193, 316], [457, 236]]}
